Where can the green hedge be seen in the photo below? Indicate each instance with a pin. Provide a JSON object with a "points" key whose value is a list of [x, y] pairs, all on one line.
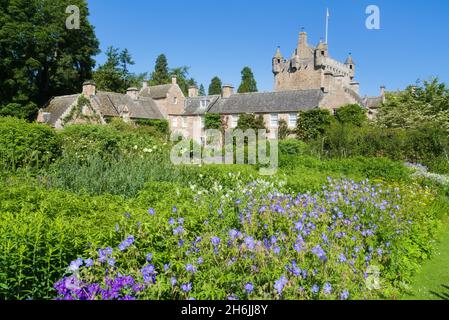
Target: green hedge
{"points": [[24, 144]]}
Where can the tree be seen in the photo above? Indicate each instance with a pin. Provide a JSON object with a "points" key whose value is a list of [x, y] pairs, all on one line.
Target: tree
{"points": [[40, 56], [202, 91], [114, 75], [248, 84], [313, 123], [352, 114], [212, 121], [250, 121], [161, 74], [426, 102], [284, 131], [183, 80], [215, 86]]}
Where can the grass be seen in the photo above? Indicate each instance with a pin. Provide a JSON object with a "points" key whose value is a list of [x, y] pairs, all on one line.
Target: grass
{"points": [[432, 282]]}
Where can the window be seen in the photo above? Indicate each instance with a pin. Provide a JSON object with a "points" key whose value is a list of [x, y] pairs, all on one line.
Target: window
{"points": [[175, 100], [175, 122], [204, 103], [350, 67], [274, 120], [234, 121], [279, 60], [322, 53], [292, 119], [334, 112]]}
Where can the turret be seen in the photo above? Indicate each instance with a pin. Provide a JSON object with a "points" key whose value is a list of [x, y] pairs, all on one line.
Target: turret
{"points": [[351, 65], [278, 60], [321, 53]]}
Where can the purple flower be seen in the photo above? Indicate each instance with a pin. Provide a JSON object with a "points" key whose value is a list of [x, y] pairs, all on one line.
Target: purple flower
{"points": [[342, 258], [200, 260], [280, 284], [126, 244], [151, 211], [171, 221], [233, 234], [174, 209], [186, 287], [173, 281], [344, 295], [249, 241], [88, 262], [319, 252], [75, 265], [178, 230], [215, 241], [181, 221], [111, 262], [327, 288], [315, 289], [149, 273], [149, 257], [166, 266], [249, 288], [190, 268]]}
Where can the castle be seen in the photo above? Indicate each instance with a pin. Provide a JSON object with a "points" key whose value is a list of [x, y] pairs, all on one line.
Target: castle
{"points": [[309, 79]]}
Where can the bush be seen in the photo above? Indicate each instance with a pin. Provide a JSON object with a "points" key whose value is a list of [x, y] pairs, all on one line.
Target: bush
{"points": [[292, 147], [213, 121], [313, 123], [352, 114], [24, 144], [160, 126]]}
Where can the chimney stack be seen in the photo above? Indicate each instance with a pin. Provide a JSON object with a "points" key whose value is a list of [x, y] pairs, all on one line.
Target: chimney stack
{"points": [[174, 80], [382, 93], [227, 91], [133, 93], [89, 89], [193, 92]]}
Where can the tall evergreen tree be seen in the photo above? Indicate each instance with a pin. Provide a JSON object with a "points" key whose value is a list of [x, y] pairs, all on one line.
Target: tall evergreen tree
{"points": [[161, 74], [248, 84], [202, 91], [40, 56], [215, 86], [114, 75]]}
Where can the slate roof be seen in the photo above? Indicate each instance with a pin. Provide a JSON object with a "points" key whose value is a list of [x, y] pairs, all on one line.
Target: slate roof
{"points": [[156, 92], [108, 104], [269, 102], [58, 105], [193, 106], [112, 104]]}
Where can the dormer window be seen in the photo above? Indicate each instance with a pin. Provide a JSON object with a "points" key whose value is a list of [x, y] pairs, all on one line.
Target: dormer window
{"points": [[204, 103]]}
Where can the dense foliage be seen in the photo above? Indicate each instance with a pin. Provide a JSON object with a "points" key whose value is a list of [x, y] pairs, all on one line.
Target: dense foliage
{"points": [[40, 57], [215, 86], [248, 83], [313, 123], [424, 103], [251, 121], [25, 144]]}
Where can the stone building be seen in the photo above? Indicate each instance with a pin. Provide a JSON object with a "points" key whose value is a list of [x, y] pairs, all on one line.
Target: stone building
{"points": [[309, 79], [92, 106]]}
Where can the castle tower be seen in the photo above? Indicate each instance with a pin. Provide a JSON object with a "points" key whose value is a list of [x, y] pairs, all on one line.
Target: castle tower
{"points": [[278, 61], [351, 66]]}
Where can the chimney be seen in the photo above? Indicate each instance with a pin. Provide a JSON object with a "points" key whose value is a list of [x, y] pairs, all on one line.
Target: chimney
{"points": [[382, 93], [89, 88], [227, 91], [133, 93], [174, 80], [303, 39], [193, 92]]}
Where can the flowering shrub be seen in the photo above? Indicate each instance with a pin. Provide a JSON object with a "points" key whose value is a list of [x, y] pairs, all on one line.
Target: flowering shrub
{"points": [[349, 241]]}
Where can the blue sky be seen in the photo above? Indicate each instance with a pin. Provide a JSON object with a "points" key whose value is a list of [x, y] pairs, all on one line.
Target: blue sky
{"points": [[220, 37]]}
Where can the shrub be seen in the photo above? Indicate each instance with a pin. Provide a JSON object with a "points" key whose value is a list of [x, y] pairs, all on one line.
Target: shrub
{"points": [[313, 123], [284, 131], [160, 126], [250, 121], [292, 147], [24, 144], [213, 121], [352, 114]]}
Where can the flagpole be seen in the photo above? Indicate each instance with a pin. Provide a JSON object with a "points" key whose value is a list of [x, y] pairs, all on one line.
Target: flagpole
{"points": [[327, 25]]}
